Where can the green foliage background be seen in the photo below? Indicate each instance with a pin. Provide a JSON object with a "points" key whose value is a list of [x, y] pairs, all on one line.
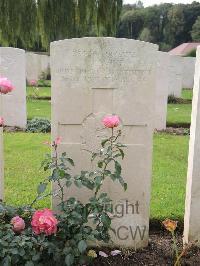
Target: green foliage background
{"points": [[167, 25], [32, 24]]}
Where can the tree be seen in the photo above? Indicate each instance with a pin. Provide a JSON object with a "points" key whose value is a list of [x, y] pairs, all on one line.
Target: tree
{"points": [[33, 24], [196, 30], [174, 30], [18, 20], [146, 35], [59, 19], [131, 24], [191, 13]]}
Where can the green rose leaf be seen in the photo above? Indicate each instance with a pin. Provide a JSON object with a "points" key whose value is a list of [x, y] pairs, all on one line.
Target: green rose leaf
{"points": [[69, 259], [70, 161], [82, 245], [41, 188]]}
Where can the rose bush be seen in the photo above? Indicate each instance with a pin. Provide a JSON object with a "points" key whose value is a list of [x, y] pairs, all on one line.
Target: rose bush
{"points": [[40, 237]]}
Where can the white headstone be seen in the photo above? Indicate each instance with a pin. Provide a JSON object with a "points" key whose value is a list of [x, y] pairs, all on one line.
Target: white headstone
{"points": [[188, 72], [92, 77], [162, 85], [12, 66], [175, 75], [36, 64], [192, 203]]}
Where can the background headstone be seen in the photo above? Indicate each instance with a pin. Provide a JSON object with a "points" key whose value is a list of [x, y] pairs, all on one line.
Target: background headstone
{"points": [[192, 203], [36, 64], [162, 85], [12, 66], [92, 77], [175, 75], [188, 72]]}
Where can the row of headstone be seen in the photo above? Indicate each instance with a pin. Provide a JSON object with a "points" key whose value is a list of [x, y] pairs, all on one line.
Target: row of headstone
{"points": [[104, 76], [92, 77], [37, 64], [188, 72], [173, 74], [16, 65], [12, 60]]}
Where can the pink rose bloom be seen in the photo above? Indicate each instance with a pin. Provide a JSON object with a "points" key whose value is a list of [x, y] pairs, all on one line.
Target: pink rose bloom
{"points": [[111, 121], [33, 82], [44, 221], [58, 141], [18, 224], [1, 121], [5, 85]]}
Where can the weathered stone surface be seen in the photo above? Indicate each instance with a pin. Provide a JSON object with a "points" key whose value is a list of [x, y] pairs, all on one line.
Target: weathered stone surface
{"points": [[36, 64], [175, 75], [92, 77], [192, 203], [162, 85], [188, 72], [12, 66]]}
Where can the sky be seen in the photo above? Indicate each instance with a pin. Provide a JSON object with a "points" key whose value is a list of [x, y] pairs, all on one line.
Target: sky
{"points": [[153, 2]]}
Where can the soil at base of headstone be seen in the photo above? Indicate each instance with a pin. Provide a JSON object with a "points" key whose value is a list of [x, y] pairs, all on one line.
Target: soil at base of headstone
{"points": [[13, 129], [178, 131], [159, 252]]}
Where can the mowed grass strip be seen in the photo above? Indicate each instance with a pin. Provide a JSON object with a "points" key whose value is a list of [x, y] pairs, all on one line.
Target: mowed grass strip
{"points": [[25, 151], [187, 94], [38, 108], [169, 176], [38, 92], [23, 155], [179, 114]]}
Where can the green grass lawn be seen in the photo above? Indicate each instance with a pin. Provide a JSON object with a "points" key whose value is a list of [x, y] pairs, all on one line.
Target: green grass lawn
{"points": [[23, 155], [187, 94], [24, 152], [179, 113], [39, 92], [169, 176], [38, 108]]}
